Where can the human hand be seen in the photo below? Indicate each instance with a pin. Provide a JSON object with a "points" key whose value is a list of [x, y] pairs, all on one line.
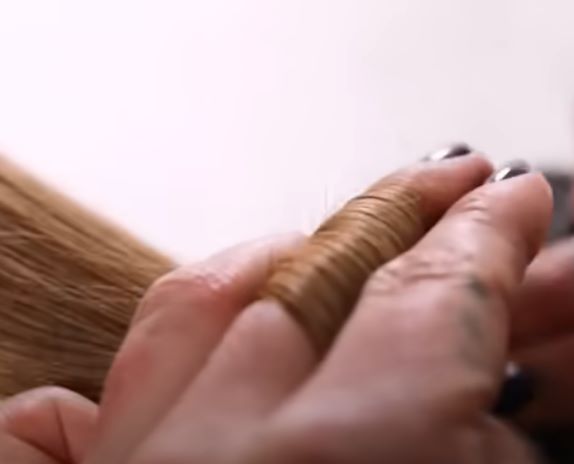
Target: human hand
{"points": [[208, 374]]}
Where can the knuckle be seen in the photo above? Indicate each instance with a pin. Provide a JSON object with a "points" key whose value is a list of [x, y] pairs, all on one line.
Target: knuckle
{"points": [[507, 223], [484, 215], [199, 280], [453, 264], [445, 264], [478, 207], [184, 287]]}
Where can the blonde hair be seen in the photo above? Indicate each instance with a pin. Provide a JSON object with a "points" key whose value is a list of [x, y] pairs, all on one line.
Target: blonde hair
{"points": [[69, 282], [320, 284]]}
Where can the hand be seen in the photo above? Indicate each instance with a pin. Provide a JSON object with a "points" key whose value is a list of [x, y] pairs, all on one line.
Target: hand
{"points": [[209, 374], [543, 337]]}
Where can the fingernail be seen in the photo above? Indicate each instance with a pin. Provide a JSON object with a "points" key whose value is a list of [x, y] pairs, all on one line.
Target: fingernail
{"points": [[452, 151], [510, 170], [517, 391]]}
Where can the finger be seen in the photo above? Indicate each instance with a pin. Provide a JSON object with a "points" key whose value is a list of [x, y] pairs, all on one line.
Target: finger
{"points": [[265, 355], [427, 341], [50, 422], [16, 451], [180, 321], [543, 307]]}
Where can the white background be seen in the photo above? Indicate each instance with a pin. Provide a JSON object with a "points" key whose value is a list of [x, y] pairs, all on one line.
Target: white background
{"points": [[200, 123]]}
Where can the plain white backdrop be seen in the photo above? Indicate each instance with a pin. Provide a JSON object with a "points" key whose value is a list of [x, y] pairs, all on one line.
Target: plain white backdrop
{"points": [[200, 123]]}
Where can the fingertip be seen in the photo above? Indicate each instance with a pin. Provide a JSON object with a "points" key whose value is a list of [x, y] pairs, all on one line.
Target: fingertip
{"points": [[527, 203], [441, 184], [534, 180], [474, 161], [503, 225], [52, 419]]}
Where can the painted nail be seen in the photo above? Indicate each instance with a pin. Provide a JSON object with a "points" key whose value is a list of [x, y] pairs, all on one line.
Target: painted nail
{"points": [[510, 170], [452, 151], [517, 391]]}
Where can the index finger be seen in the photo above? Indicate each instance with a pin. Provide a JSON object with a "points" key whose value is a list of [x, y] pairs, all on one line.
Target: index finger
{"points": [[320, 284], [430, 330]]}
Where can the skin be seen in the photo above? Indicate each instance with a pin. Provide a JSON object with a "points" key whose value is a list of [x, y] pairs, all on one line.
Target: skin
{"points": [[210, 374]]}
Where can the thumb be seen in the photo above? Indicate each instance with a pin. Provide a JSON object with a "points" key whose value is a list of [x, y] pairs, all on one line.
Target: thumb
{"points": [[47, 425]]}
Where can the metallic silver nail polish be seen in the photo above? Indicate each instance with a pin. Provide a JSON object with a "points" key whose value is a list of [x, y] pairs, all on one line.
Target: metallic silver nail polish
{"points": [[510, 170], [452, 151]]}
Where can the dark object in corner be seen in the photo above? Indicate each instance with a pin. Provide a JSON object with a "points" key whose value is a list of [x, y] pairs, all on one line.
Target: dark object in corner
{"points": [[556, 445], [563, 218]]}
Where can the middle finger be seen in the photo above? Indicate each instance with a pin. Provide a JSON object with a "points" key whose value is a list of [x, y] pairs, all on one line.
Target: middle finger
{"points": [[428, 339]]}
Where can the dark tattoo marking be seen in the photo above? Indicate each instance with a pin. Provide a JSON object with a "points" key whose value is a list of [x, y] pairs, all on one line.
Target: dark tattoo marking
{"points": [[478, 288], [473, 341], [471, 319]]}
